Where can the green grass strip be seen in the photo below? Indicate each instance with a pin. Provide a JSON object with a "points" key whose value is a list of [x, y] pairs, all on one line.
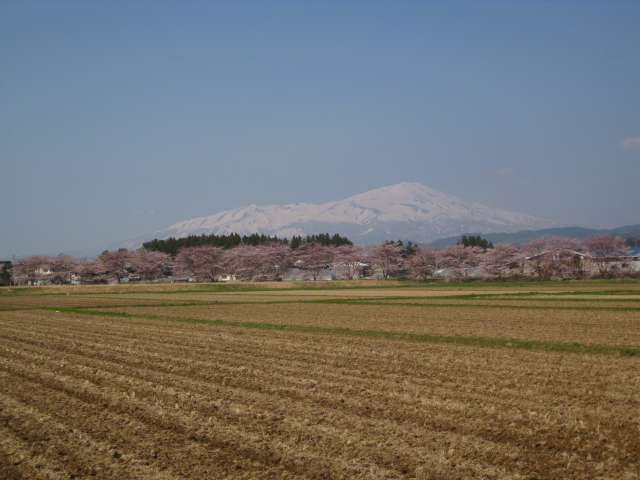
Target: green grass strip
{"points": [[419, 337], [386, 301], [343, 285]]}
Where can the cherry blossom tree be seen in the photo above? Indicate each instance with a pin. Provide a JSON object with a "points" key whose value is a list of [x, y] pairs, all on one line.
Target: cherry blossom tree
{"points": [[240, 262], [350, 261], [150, 265], [116, 264], [92, 271], [562, 259], [200, 262], [387, 256], [495, 260], [41, 269], [273, 260], [533, 256], [457, 259], [62, 268], [605, 251], [314, 257], [424, 262], [30, 270]]}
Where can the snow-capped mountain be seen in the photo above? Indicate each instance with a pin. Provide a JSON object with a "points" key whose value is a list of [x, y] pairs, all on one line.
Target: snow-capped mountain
{"points": [[407, 211]]}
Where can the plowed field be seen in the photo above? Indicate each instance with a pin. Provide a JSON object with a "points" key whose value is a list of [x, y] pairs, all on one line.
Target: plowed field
{"points": [[169, 384]]}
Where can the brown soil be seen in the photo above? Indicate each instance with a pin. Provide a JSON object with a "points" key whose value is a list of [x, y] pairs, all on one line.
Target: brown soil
{"points": [[593, 327], [111, 397], [94, 396]]}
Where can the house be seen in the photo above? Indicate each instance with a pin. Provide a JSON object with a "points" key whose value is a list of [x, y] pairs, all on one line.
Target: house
{"points": [[227, 277], [296, 274], [573, 264], [626, 263], [352, 271]]}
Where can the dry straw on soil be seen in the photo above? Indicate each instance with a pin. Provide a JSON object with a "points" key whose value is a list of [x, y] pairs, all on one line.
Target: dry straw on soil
{"points": [[113, 396]]}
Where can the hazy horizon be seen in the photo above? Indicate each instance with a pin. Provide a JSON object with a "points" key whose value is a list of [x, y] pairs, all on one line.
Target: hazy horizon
{"points": [[122, 118]]}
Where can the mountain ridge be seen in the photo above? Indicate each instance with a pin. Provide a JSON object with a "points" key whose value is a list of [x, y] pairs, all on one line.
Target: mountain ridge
{"points": [[524, 236], [406, 211]]}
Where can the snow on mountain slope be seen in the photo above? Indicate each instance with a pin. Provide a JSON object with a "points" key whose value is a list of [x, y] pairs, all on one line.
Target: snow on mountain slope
{"points": [[408, 211]]}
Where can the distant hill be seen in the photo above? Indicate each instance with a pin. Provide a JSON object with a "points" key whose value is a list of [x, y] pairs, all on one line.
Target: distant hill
{"points": [[524, 236], [405, 211]]}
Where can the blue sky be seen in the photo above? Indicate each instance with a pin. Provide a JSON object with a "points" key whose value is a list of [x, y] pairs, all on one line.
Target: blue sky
{"points": [[119, 118]]}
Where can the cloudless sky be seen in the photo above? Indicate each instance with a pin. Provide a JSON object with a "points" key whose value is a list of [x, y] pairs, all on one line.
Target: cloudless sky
{"points": [[119, 118]]}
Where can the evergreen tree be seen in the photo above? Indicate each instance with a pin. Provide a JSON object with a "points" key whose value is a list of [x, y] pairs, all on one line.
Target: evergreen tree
{"points": [[475, 241], [5, 275], [173, 245], [633, 242], [409, 249], [296, 242]]}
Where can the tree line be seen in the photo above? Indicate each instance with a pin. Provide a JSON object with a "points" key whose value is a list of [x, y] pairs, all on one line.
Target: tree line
{"points": [[173, 245], [311, 257]]}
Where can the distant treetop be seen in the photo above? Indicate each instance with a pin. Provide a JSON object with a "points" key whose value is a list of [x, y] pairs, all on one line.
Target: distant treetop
{"points": [[475, 241], [172, 245]]}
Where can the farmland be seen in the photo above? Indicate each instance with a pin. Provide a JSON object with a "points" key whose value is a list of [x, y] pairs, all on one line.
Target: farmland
{"points": [[342, 380]]}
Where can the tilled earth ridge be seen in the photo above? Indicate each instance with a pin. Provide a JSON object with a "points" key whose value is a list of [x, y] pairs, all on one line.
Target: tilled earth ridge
{"points": [[619, 328], [84, 396]]}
